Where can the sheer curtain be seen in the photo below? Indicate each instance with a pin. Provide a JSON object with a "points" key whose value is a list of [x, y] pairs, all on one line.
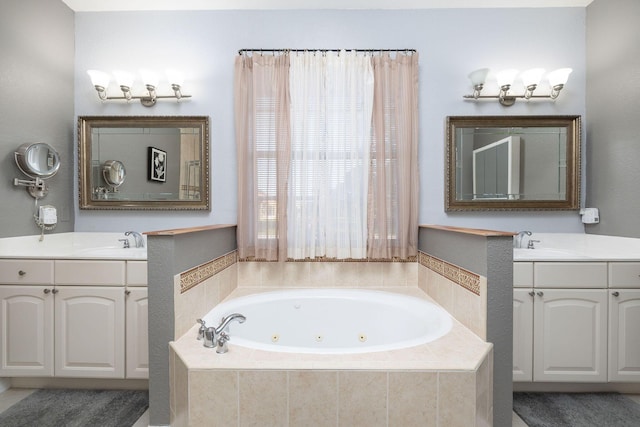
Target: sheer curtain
{"points": [[331, 107], [327, 155], [393, 193], [263, 146]]}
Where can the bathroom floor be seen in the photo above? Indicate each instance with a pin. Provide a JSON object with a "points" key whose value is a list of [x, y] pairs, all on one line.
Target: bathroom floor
{"points": [[14, 395], [516, 421]]}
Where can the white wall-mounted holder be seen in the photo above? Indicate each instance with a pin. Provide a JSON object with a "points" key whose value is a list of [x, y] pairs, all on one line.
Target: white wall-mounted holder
{"points": [[590, 215], [530, 79]]}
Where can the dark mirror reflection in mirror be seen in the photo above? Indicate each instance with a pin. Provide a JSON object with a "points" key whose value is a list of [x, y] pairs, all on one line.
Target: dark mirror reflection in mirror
{"points": [[512, 163], [109, 146]]}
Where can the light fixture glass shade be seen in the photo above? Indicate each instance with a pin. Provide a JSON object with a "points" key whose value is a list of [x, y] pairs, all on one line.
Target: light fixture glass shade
{"points": [[149, 77], [532, 76], [559, 77], [174, 76], [123, 78], [479, 76], [99, 78], [506, 77]]}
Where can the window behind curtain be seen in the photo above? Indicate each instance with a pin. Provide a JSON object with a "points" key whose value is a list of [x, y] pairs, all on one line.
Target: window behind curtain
{"points": [[346, 162]]}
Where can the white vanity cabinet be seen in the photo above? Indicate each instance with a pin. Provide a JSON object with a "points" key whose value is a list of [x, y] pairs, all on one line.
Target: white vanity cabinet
{"points": [[71, 323], [624, 318], [26, 316], [137, 329], [570, 335], [560, 322]]}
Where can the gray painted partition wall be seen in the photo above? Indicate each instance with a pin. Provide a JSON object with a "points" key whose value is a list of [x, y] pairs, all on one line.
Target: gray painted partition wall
{"points": [[169, 254], [490, 256]]}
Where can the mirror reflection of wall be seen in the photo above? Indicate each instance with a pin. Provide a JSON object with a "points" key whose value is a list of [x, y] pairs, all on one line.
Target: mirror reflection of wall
{"points": [[131, 146], [542, 162]]}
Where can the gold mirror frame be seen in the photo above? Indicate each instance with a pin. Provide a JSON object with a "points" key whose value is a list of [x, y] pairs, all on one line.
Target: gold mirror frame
{"points": [[570, 123], [86, 124]]}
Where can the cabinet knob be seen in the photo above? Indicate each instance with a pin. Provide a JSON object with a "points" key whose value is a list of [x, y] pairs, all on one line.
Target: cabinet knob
{"points": [[127, 292], [540, 293], [54, 291], [532, 293], [21, 273], [615, 293], [46, 291]]}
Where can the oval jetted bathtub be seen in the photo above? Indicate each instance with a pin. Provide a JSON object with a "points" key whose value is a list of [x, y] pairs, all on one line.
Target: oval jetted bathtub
{"points": [[331, 321]]}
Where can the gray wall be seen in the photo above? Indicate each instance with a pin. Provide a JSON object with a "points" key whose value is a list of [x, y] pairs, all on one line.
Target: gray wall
{"points": [[492, 257], [36, 105], [169, 255], [613, 125], [204, 44]]}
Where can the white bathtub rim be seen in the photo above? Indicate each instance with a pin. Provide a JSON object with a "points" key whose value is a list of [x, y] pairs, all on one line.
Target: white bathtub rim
{"points": [[232, 305]]}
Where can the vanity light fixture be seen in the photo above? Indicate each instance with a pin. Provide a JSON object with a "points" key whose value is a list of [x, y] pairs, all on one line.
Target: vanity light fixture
{"points": [[530, 80], [124, 79]]}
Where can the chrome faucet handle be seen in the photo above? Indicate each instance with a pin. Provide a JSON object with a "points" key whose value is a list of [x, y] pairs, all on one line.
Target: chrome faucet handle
{"points": [[222, 343], [203, 328], [530, 245], [125, 243]]}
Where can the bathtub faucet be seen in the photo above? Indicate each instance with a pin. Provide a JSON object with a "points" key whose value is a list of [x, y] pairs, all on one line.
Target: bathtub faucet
{"points": [[217, 337], [225, 321]]}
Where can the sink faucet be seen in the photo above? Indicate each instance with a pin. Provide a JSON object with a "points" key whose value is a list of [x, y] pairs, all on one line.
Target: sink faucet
{"points": [[519, 237], [138, 238]]}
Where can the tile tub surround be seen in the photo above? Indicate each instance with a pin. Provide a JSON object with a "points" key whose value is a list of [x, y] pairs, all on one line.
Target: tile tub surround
{"points": [[462, 293], [446, 382]]}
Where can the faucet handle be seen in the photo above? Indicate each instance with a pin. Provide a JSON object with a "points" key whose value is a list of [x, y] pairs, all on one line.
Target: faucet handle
{"points": [[222, 343], [202, 329], [125, 243]]}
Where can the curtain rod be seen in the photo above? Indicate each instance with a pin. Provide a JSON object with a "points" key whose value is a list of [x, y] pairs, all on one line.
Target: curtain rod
{"points": [[241, 51]]}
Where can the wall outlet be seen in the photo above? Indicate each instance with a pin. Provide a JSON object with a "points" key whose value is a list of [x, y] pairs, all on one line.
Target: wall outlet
{"points": [[590, 215]]}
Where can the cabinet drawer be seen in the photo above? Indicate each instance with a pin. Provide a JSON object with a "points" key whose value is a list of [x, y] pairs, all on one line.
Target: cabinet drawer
{"points": [[522, 274], [570, 274], [26, 272], [624, 274], [101, 273], [137, 273]]}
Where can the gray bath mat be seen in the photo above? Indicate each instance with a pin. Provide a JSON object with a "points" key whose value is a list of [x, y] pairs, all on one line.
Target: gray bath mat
{"points": [[576, 410], [77, 408]]}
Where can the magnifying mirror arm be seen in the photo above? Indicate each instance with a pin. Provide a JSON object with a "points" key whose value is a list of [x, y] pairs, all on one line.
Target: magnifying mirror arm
{"points": [[37, 188]]}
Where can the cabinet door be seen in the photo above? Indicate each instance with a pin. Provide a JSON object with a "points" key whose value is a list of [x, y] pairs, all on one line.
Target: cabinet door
{"points": [[522, 335], [624, 340], [137, 353], [89, 327], [570, 335], [26, 344]]}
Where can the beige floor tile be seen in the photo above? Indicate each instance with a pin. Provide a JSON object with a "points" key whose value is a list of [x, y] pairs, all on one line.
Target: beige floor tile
{"points": [[516, 421], [12, 396]]}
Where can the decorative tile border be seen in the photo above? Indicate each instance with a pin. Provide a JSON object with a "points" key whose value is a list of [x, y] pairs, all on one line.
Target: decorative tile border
{"points": [[200, 273], [468, 280], [323, 259]]}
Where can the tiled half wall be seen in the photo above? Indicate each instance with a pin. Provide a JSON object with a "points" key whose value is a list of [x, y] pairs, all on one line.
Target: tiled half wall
{"points": [[228, 397]]}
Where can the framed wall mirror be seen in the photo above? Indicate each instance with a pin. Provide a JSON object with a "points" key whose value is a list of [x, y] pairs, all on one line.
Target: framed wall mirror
{"points": [[162, 162], [512, 163]]}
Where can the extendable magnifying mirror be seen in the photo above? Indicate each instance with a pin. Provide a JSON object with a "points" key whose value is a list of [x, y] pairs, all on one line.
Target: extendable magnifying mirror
{"points": [[38, 161]]}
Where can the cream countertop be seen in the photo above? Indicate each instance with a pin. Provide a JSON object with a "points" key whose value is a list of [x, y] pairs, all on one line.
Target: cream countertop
{"points": [[74, 245], [578, 247]]}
